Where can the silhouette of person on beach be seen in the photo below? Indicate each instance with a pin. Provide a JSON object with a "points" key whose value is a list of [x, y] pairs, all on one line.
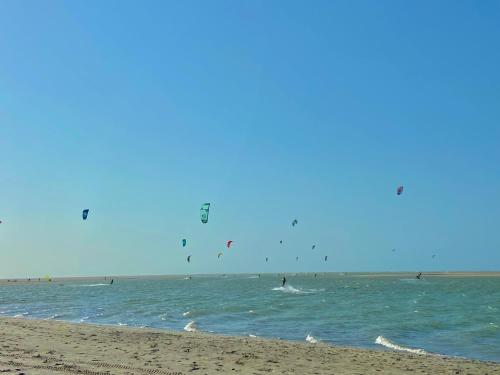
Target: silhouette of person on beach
{"points": [[284, 281]]}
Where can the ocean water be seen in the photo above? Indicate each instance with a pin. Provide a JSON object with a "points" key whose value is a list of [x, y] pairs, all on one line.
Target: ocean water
{"points": [[457, 316]]}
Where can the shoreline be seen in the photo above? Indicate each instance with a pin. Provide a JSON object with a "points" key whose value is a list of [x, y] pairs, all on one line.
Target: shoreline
{"points": [[42, 280], [43, 347]]}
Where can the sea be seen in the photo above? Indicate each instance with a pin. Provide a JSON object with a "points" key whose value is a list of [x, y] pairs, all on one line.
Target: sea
{"points": [[443, 315]]}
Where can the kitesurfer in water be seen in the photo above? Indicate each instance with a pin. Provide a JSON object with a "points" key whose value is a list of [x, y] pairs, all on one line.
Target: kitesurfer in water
{"points": [[111, 283], [283, 281], [419, 276]]}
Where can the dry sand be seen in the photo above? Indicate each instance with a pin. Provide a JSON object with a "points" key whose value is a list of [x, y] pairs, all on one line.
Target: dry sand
{"points": [[52, 347]]}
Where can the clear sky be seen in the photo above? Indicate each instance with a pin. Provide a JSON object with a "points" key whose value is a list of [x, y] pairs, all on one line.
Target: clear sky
{"points": [[270, 110]]}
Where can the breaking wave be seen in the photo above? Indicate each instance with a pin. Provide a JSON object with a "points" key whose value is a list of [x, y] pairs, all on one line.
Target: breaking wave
{"points": [[291, 289], [381, 340], [311, 339], [91, 285], [190, 327]]}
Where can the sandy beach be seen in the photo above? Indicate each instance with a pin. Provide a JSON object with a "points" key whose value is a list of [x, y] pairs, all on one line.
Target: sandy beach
{"points": [[50, 347]]}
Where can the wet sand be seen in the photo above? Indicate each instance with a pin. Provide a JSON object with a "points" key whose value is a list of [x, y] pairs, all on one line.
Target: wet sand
{"points": [[53, 347]]}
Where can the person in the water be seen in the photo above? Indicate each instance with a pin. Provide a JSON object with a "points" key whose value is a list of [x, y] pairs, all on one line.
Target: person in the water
{"points": [[111, 283], [419, 276], [284, 281]]}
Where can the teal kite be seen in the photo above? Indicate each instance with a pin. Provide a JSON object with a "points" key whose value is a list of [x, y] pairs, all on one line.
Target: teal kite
{"points": [[205, 208]]}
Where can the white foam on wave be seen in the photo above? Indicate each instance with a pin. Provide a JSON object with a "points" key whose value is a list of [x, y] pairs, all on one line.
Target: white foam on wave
{"points": [[21, 315], [55, 316], [92, 285], [288, 289], [253, 277], [187, 313], [253, 336], [190, 327], [163, 316], [381, 340], [291, 289], [311, 339]]}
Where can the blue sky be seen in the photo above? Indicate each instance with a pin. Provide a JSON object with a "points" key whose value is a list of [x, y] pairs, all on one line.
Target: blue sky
{"points": [[270, 110]]}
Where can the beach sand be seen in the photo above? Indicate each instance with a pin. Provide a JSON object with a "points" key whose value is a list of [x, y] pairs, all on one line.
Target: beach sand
{"points": [[53, 347]]}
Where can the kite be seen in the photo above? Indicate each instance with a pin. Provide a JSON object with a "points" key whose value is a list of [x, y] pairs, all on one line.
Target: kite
{"points": [[189, 258], [229, 243], [205, 208], [399, 191], [184, 242], [85, 213], [294, 222], [219, 255], [313, 247]]}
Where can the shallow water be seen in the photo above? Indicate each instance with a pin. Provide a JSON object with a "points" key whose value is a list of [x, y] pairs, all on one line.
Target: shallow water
{"points": [[457, 316]]}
